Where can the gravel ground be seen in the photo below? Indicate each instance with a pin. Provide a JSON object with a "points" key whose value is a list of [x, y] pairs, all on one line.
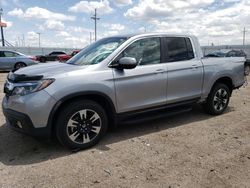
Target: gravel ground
{"points": [[188, 150]]}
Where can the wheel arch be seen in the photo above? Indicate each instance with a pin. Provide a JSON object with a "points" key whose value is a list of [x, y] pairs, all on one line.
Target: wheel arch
{"points": [[20, 62], [247, 67], [225, 80], [98, 97], [14, 67]]}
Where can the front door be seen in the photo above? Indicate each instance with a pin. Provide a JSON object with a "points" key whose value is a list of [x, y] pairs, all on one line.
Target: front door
{"points": [[144, 86]]}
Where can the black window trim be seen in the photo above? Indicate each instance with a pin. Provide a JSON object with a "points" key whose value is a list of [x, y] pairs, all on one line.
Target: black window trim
{"points": [[186, 40]]}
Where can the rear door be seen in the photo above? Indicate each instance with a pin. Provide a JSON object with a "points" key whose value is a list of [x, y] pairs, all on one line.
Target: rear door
{"points": [[185, 71], [144, 86]]}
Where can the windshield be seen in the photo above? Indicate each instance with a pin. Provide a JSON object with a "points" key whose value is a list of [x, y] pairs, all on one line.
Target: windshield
{"points": [[97, 52]]}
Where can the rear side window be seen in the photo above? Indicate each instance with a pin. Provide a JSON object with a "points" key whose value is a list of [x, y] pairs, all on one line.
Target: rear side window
{"points": [[179, 49]]}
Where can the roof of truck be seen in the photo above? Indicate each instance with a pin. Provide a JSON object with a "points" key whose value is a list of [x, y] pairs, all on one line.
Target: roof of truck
{"points": [[151, 34]]}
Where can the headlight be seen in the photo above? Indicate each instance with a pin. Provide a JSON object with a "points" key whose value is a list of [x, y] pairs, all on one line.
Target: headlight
{"points": [[30, 87]]}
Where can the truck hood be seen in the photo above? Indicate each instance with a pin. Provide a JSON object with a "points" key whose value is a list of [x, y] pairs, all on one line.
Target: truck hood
{"points": [[49, 69]]}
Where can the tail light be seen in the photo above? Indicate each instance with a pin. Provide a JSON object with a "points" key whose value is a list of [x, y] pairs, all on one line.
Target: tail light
{"points": [[33, 58]]}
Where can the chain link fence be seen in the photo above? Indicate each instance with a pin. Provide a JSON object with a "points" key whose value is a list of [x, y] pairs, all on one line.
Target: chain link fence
{"points": [[36, 50], [42, 51]]}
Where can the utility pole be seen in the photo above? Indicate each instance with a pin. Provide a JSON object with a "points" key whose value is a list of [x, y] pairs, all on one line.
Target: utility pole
{"points": [[244, 36], [23, 40], [39, 38], [95, 18], [19, 41], [2, 36]]}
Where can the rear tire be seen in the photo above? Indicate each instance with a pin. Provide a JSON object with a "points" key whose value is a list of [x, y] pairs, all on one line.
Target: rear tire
{"points": [[19, 65], [81, 124], [42, 59], [247, 69], [218, 99]]}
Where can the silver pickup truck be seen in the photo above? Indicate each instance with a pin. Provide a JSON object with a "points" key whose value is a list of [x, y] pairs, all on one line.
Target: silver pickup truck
{"points": [[118, 79]]}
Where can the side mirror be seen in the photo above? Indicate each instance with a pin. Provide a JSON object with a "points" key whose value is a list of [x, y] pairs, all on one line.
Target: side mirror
{"points": [[127, 63]]}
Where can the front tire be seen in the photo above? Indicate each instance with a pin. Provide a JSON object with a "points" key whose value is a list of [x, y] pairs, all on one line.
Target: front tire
{"points": [[218, 99], [81, 124]]}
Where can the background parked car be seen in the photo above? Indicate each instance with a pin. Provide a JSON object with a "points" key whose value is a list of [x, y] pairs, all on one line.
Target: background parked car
{"points": [[14, 60], [66, 57], [227, 53], [49, 57], [236, 53], [216, 54]]}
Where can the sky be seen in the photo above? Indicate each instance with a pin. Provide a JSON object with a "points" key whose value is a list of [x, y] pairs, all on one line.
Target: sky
{"points": [[67, 23]]}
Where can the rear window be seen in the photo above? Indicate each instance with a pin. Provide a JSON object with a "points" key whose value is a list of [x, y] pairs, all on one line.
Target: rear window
{"points": [[179, 49], [56, 53]]}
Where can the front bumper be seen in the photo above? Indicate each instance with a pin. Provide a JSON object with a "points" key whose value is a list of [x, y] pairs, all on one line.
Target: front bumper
{"points": [[22, 123], [29, 113], [37, 106]]}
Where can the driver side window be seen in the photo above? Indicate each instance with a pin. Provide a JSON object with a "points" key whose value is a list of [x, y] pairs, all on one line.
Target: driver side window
{"points": [[145, 51]]}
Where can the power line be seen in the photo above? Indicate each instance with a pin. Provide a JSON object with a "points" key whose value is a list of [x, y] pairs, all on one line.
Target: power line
{"points": [[95, 18]]}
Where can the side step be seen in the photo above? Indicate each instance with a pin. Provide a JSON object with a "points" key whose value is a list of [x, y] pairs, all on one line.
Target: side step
{"points": [[151, 115]]}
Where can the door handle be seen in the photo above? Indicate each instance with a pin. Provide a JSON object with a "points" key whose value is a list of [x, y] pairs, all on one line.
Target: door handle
{"points": [[194, 66], [159, 71]]}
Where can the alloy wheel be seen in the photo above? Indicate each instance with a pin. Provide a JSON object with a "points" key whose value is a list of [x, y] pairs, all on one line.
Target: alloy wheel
{"points": [[84, 126], [20, 65], [220, 99]]}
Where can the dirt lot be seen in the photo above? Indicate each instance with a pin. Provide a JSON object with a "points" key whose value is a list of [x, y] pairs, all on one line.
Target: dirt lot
{"points": [[188, 150]]}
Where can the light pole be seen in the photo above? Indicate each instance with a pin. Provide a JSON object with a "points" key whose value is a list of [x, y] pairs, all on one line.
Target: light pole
{"points": [[95, 18], [39, 39], [1, 12]]}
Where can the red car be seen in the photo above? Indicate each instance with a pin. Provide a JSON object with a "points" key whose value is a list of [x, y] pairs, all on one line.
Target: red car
{"points": [[66, 57]]}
